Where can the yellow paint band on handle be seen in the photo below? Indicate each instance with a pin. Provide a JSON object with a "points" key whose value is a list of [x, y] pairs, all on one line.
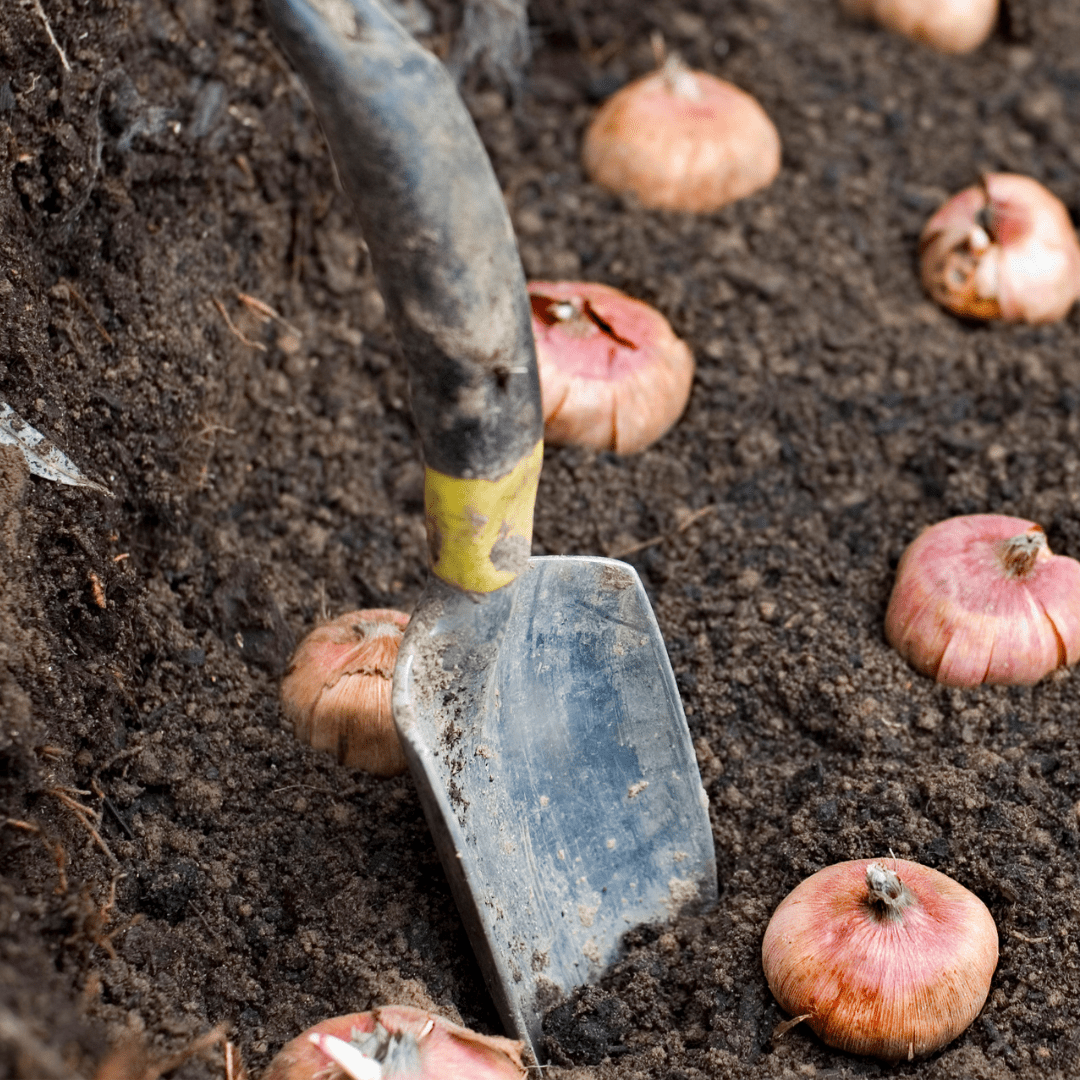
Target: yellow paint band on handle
{"points": [[480, 531]]}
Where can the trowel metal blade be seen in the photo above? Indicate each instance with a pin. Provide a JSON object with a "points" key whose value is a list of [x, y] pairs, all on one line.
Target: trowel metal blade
{"points": [[553, 759]]}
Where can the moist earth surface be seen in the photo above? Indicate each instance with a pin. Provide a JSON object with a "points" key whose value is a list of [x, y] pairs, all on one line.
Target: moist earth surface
{"points": [[171, 858]]}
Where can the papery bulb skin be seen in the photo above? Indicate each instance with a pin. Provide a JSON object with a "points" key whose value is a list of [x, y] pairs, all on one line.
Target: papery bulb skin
{"points": [[613, 375], [949, 26], [404, 1043], [1002, 249], [682, 140], [889, 959], [982, 599], [337, 690]]}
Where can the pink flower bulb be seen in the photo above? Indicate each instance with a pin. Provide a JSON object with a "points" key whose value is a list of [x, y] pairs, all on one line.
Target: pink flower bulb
{"points": [[981, 599], [337, 690], [682, 140], [613, 375], [1003, 249], [949, 26], [395, 1041], [887, 958]]}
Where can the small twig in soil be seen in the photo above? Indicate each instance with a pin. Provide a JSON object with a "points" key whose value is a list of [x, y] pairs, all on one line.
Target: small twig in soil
{"points": [[211, 430], [131, 1060], [94, 921], [108, 804], [97, 589], [1029, 940], [209, 929], [310, 787], [78, 298], [244, 166], [16, 823], [54, 848], [94, 162], [87, 817], [59, 854], [203, 1042], [234, 329], [264, 309], [40, 12], [128, 752], [697, 515]]}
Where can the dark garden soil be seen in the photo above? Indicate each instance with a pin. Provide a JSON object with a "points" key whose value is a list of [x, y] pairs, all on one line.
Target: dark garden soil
{"points": [[265, 474]]}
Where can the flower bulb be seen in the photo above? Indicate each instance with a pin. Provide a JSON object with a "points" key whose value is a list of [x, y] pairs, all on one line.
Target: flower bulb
{"points": [[981, 598], [1003, 249], [682, 140], [889, 958], [949, 26], [613, 375], [337, 690], [395, 1041]]}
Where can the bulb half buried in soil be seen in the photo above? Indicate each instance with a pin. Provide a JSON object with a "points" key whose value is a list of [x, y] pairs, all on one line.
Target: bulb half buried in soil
{"points": [[337, 690], [981, 598], [949, 26], [682, 140], [613, 375], [887, 958], [1002, 249], [395, 1041]]}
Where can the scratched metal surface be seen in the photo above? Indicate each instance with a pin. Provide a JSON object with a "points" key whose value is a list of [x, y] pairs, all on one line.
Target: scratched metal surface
{"points": [[557, 772]]}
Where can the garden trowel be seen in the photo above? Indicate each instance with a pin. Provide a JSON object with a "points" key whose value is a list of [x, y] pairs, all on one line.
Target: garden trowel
{"points": [[533, 696]]}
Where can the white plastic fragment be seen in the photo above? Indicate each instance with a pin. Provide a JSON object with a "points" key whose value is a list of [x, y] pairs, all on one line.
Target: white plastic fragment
{"points": [[43, 457]]}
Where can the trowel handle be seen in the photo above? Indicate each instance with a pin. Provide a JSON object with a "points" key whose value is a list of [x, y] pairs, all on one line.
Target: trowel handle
{"points": [[443, 251]]}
